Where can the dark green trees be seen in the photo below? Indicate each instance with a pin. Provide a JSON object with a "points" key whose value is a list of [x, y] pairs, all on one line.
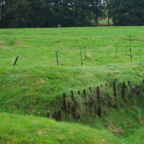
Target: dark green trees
{"points": [[126, 12], [50, 13]]}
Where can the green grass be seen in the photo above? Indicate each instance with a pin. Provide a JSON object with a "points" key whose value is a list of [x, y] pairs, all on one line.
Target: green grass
{"points": [[36, 84], [30, 129], [105, 21]]}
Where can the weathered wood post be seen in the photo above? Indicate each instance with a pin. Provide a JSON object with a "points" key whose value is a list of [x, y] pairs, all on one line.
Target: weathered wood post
{"points": [[78, 92], [57, 58], [81, 57], [64, 103], [123, 87], [99, 103], [90, 89], [73, 108], [115, 93], [16, 60], [84, 92]]}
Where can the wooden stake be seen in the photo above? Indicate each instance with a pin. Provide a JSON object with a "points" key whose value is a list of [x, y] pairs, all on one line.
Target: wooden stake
{"points": [[57, 58], [123, 90], [99, 108], [64, 104], [16, 60]]}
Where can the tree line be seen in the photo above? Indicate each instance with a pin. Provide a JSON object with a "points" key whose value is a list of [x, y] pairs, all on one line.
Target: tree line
{"points": [[126, 12], [50, 13], [69, 13]]}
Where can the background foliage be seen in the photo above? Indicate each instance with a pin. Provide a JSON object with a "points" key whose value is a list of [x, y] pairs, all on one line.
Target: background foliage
{"points": [[50, 13], [126, 12]]}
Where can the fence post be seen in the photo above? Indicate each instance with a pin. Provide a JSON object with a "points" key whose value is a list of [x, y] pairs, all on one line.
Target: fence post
{"points": [[84, 93], [78, 92], [57, 58], [115, 94], [73, 108], [69, 108], [90, 89], [128, 82], [16, 60], [64, 104], [98, 96], [81, 57], [123, 90]]}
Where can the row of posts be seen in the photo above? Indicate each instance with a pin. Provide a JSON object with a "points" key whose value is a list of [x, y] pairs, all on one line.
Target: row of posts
{"points": [[80, 56], [58, 115]]}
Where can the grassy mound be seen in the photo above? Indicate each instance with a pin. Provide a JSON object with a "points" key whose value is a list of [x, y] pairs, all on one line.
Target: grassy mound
{"points": [[30, 129]]}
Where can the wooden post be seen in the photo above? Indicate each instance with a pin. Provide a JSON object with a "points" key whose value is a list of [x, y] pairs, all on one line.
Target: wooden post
{"points": [[115, 93], [69, 108], [73, 108], [57, 58], [90, 89], [98, 96], [81, 57], [78, 92], [64, 104], [130, 47], [72, 97], [16, 60], [85, 51], [128, 82], [84, 93], [123, 90], [48, 115]]}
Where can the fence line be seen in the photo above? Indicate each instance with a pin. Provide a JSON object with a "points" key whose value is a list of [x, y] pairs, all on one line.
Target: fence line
{"points": [[98, 106]]}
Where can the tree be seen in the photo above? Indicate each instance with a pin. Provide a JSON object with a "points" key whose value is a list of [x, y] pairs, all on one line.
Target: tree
{"points": [[50, 13], [126, 12]]}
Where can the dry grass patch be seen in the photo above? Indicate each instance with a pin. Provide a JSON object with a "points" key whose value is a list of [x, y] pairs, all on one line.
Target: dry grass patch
{"points": [[141, 73], [42, 80], [18, 43], [112, 128], [108, 47], [56, 41], [3, 45]]}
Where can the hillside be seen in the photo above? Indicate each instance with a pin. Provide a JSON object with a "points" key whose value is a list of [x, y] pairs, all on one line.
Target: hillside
{"points": [[35, 85]]}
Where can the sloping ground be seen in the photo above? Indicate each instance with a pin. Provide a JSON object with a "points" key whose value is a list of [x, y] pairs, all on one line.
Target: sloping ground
{"points": [[29, 129], [36, 84]]}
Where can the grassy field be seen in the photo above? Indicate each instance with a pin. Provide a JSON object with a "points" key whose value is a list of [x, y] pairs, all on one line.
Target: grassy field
{"points": [[35, 86], [29, 129]]}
